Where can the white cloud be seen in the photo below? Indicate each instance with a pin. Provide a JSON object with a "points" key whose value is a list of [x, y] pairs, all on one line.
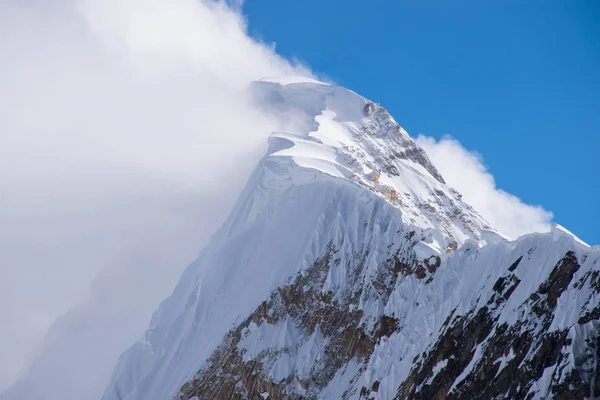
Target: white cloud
{"points": [[464, 170], [126, 133]]}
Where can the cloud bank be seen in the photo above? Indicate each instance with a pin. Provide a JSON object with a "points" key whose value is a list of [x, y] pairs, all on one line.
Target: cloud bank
{"points": [[126, 134], [465, 171]]}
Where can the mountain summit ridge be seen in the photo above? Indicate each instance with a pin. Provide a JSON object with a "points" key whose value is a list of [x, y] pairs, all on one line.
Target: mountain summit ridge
{"points": [[348, 269], [347, 136]]}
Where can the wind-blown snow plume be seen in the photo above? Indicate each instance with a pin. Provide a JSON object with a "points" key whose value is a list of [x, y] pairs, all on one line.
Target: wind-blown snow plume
{"points": [[465, 171], [126, 133]]}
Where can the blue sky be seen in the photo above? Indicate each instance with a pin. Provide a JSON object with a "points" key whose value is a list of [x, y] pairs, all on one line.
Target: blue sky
{"points": [[516, 81]]}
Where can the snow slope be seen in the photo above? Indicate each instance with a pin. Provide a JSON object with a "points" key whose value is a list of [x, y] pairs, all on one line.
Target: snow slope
{"points": [[347, 267]]}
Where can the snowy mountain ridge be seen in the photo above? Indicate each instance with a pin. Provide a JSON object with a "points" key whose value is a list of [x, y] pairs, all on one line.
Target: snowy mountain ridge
{"points": [[348, 269], [348, 137]]}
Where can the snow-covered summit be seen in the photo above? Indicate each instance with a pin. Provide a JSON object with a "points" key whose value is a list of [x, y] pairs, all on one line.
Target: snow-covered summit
{"points": [[348, 269], [340, 133], [338, 161]]}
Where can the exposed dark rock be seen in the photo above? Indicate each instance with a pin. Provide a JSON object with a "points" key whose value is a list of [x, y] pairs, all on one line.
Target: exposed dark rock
{"points": [[382, 123], [457, 345], [524, 350], [544, 300], [503, 288], [432, 266], [590, 316], [386, 326], [474, 357], [369, 109], [595, 281], [514, 265], [225, 374], [375, 387], [420, 272], [560, 277], [486, 380], [368, 393]]}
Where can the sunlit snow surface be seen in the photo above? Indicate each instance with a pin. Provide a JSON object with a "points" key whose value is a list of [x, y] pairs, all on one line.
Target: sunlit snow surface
{"points": [[342, 174]]}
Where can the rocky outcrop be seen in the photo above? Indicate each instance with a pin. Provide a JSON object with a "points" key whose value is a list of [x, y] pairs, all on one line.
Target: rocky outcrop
{"points": [[477, 355], [337, 319], [381, 123], [487, 359]]}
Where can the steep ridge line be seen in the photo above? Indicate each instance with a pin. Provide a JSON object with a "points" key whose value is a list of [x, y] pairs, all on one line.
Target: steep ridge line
{"points": [[324, 284]]}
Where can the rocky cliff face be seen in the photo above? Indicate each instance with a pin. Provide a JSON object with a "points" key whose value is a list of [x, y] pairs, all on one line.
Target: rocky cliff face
{"points": [[305, 342], [349, 270]]}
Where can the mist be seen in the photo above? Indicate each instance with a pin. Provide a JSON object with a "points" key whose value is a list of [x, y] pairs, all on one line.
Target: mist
{"points": [[465, 171], [126, 133]]}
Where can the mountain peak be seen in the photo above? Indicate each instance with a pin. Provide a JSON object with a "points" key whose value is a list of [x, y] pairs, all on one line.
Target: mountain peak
{"points": [[349, 270], [361, 122], [337, 132]]}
